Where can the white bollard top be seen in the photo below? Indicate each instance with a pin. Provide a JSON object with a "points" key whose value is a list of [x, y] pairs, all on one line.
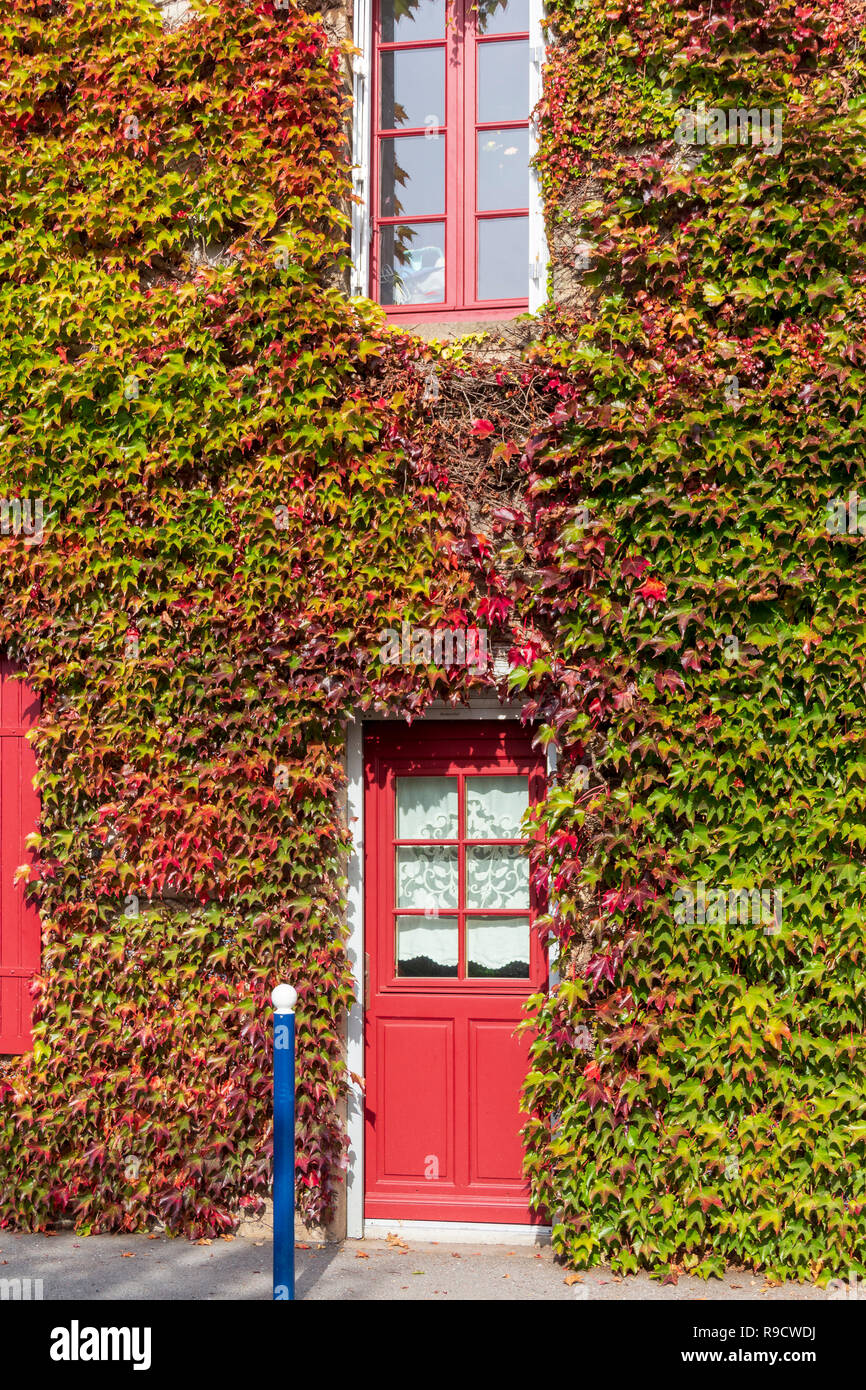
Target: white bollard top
{"points": [[284, 998]]}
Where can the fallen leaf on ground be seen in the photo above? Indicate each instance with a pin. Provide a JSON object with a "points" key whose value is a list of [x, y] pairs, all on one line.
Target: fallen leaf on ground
{"points": [[127, 1255], [362, 1255], [573, 1279], [204, 1241]]}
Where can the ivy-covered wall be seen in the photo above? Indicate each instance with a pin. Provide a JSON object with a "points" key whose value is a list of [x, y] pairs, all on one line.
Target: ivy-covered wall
{"points": [[698, 1091], [230, 513], [244, 485]]}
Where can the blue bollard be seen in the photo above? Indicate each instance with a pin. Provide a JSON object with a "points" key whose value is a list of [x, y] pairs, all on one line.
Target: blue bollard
{"points": [[284, 999]]}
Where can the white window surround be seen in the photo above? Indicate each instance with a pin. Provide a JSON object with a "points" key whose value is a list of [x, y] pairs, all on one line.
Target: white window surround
{"points": [[361, 151], [484, 707]]}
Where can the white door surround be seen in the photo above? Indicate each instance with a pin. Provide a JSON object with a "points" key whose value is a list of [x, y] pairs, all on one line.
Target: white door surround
{"points": [[484, 707]]}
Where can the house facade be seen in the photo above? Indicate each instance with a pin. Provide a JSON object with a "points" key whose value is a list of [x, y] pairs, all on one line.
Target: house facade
{"points": [[415, 585]]}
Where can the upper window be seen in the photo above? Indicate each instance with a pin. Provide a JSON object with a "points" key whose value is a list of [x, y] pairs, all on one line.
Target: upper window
{"points": [[450, 185]]}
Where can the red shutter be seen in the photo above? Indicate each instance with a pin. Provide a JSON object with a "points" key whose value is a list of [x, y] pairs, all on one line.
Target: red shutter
{"points": [[19, 816]]}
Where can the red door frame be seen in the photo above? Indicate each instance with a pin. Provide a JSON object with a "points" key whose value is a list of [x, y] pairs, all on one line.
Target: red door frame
{"points": [[460, 214], [20, 931], [462, 1017]]}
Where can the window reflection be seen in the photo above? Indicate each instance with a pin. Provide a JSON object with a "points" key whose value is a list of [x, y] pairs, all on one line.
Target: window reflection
{"points": [[502, 16], [407, 21], [412, 263], [412, 176], [412, 88], [503, 81], [503, 257], [503, 169]]}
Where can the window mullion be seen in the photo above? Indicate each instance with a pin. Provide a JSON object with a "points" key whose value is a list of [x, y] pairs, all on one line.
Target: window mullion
{"points": [[456, 150]]}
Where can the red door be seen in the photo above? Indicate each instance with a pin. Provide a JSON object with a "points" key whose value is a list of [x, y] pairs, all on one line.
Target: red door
{"points": [[19, 817], [451, 958]]}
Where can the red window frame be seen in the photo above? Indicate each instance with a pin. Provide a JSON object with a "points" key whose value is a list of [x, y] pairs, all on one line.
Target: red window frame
{"points": [[460, 132], [447, 752]]}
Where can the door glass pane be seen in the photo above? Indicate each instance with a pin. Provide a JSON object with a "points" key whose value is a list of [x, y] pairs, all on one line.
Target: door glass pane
{"points": [[427, 808], [502, 16], [427, 946], [497, 876], [407, 21], [412, 176], [503, 258], [497, 946], [494, 807], [413, 88], [503, 169], [412, 264], [427, 877], [503, 80]]}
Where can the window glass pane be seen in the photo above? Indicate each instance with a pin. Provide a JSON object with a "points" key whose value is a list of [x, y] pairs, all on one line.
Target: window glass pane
{"points": [[427, 878], [503, 81], [497, 876], [503, 258], [412, 176], [412, 264], [497, 946], [502, 16], [503, 169], [494, 807], [412, 88], [407, 21], [427, 808], [427, 946]]}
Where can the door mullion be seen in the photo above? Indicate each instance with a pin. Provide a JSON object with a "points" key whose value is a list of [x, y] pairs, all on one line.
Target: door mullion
{"points": [[461, 877]]}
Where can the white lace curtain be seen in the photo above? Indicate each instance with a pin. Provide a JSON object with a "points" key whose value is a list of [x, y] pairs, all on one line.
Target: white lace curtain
{"points": [[496, 876]]}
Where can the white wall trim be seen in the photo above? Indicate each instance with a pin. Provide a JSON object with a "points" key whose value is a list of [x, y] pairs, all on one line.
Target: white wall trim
{"points": [[482, 707], [361, 146], [538, 253], [355, 1028], [362, 127]]}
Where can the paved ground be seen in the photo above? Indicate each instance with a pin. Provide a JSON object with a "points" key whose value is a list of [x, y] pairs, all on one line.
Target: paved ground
{"points": [[142, 1267]]}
